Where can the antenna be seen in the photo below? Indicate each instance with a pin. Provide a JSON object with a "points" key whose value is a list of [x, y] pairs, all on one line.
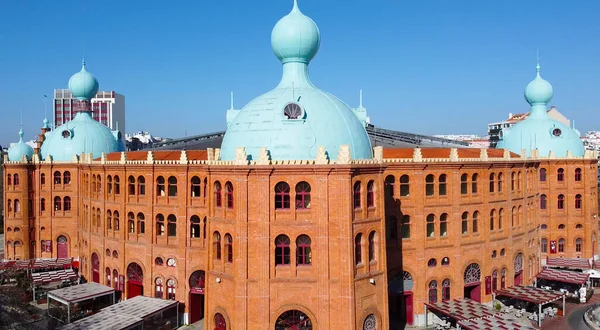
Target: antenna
{"points": [[360, 100], [21, 118], [45, 106]]}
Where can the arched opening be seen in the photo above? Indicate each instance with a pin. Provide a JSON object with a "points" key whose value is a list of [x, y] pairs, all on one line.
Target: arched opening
{"points": [[197, 285], [95, 268], [135, 280], [293, 320], [62, 247], [472, 277], [519, 269], [400, 297], [220, 323]]}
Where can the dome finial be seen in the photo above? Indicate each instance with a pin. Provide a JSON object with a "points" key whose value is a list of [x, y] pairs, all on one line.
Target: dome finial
{"points": [[295, 8], [21, 133]]}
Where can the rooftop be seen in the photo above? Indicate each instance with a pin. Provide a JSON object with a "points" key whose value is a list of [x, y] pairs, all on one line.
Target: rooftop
{"points": [[80, 292]]}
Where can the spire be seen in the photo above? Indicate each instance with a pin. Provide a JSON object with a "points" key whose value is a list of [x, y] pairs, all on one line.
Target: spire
{"points": [[231, 101], [295, 9], [360, 105], [21, 134], [83, 68]]}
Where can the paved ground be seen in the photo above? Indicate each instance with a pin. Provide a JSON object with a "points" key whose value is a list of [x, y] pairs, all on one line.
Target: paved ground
{"points": [[196, 326], [574, 319]]}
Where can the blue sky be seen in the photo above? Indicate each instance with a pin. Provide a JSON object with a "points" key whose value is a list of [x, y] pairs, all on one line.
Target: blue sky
{"points": [[426, 66]]}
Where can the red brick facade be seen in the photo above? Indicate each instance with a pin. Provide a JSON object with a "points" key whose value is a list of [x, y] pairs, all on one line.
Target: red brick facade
{"points": [[339, 243]]}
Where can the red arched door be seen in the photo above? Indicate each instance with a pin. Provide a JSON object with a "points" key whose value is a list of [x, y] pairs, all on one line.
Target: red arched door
{"points": [[220, 323], [62, 248], [472, 278], [95, 268], [197, 284], [135, 279]]}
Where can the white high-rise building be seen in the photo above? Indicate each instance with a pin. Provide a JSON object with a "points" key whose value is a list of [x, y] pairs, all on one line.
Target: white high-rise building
{"points": [[107, 108]]}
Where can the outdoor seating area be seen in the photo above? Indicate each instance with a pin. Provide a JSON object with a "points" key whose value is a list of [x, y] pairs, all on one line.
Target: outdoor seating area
{"points": [[76, 302], [450, 312], [568, 263], [136, 313], [573, 284], [499, 321], [45, 282], [527, 301], [37, 264]]}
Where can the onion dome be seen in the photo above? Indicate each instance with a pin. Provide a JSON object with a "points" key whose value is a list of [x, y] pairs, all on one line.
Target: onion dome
{"points": [[538, 91], [295, 118], [20, 149], [83, 85], [296, 37]]}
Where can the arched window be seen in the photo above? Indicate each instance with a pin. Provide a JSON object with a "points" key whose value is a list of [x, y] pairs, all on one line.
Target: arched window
{"points": [[282, 196], [57, 203], [57, 177], [392, 228], [229, 192], [291, 320], [357, 198], [445, 261], [204, 187], [158, 288], [500, 182], [494, 254], [229, 247], [303, 251], [543, 202], [282, 250], [109, 185], [171, 289], [500, 218], [561, 245], [195, 191], [578, 226], [172, 186], [195, 226], [502, 252], [464, 184], [492, 182], [544, 245], [560, 175], [160, 186], [494, 281], [220, 323], [444, 225], [172, 225], [542, 175], [218, 195], [405, 227], [131, 185], [67, 177], [99, 185], [492, 216], [370, 322], [561, 226], [217, 245], [503, 278], [18, 205], [159, 261], [512, 181], [9, 205], [578, 201], [475, 220], [371, 194], [442, 185], [432, 263], [117, 185], [372, 244], [433, 292], [9, 179], [42, 205], [474, 178], [108, 219], [131, 222], [431, 225], [358, 249], [141, 185], [141, 224], [577, 174], [472, 274], [404, 185], [160, 225], [389, 185], [446, 289], [430, 185], [67, 203], [519, 181], [465, 223], [578, 245], [116, 220], [561, 202]]}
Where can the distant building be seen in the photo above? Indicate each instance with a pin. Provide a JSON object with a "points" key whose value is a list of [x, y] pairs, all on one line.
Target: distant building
{"points": [[495, 128], [141, 140], [107, 107], [474, 141]]}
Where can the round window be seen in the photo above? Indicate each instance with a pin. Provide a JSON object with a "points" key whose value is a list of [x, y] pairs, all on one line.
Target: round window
{"points": [[556, 132], [292, 111], [66, 134]]}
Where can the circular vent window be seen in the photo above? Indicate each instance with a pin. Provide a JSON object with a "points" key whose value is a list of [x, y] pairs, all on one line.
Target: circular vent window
{"points": [[556, 132], [66, 134], [292, 111]]}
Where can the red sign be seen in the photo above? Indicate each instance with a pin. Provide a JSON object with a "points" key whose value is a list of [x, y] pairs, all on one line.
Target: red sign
{"points": [[488, 285], [553, 247]]}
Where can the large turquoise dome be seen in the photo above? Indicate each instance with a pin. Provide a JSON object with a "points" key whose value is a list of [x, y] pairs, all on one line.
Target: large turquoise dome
{"points": [[83, 85], [538, 130], [81, 135], [293, 120], [20, 149]]}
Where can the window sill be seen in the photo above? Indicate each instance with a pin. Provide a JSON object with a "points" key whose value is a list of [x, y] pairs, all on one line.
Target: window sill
{"points": [[303, 210]]}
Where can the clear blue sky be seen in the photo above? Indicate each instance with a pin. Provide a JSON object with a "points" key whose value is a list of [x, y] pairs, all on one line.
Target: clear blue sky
{"points": [[433, 67]]}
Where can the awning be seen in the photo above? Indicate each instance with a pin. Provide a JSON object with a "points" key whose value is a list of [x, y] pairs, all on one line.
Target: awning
{"points": [[77, 293], [565, 276], [54, 276], [530, 294], [462, 309], [499, 321], [572, 263], [32, 264]]}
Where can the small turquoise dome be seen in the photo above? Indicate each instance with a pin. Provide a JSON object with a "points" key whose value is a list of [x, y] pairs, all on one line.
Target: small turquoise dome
{"points": [[45, 123], [20, 149], [81, 135], [296, 118], [538, 130], [538, 91], [83, 85], [295, 38]]}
